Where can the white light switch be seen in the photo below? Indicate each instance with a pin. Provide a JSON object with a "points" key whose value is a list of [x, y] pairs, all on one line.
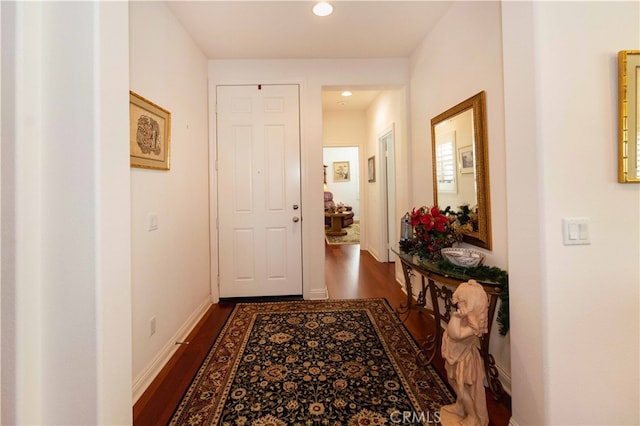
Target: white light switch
{"points": [[153, 222], [575, 231]]}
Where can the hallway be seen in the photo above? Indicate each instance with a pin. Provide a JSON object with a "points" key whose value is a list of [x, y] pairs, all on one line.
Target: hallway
{"points": [[350, 274]]}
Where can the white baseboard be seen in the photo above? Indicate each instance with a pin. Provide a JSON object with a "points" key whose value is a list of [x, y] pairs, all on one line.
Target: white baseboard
{"points": [[505, 379], [144, 379], [318, 294], [374, 255], [512, 422]]}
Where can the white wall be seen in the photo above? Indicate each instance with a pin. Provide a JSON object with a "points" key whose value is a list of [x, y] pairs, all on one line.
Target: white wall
{"points": [[312, 75], [344, 128], [170, 266], [575, 309], [344, 192], [387, 112], [66, 337], [449, 67]]}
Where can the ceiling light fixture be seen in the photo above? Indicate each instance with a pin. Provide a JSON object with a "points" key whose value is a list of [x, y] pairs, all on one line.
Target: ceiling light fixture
{"points": [[322, 9], [346, 93]]}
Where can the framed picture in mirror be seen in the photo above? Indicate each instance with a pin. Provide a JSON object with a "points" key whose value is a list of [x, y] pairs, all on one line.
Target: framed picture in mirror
{"points": [[465, 159]]}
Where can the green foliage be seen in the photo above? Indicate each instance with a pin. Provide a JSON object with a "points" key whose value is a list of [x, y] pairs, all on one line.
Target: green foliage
{"points": [[487, 273], [466, 217]]}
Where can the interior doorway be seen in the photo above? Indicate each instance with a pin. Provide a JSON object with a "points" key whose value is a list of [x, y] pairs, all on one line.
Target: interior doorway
{"points": [[368, 117], [388, 192]]}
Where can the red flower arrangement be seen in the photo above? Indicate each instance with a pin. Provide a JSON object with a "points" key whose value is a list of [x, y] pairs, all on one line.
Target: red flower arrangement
{"points": [[433, 230]]}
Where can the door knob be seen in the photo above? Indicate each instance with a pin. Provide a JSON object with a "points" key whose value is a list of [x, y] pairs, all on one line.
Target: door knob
{"points": [[296, 219], [295, 207]]}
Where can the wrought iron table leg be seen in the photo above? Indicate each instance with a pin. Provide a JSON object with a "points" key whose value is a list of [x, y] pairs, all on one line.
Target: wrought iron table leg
{"points": [[493, 377], [405, 309]]}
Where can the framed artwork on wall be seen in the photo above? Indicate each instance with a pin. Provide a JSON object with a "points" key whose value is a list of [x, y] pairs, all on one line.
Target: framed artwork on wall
{"points": [[149, 134], [341, 172]]}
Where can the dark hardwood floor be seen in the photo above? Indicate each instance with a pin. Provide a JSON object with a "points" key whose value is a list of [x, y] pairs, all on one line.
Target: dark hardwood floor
{"points": [[350, 274]]}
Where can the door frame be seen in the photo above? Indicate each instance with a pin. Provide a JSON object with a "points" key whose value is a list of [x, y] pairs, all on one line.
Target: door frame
{"points": [[309, 199], [387, 224], [243, 90]]}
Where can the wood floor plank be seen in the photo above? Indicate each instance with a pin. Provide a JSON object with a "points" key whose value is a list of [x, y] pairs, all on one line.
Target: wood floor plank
{"points": [[350, 274]]}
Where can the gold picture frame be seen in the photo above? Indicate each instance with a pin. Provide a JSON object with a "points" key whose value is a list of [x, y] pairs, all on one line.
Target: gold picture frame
{"points": [[629, 116], [341, 171], [149, 134]]}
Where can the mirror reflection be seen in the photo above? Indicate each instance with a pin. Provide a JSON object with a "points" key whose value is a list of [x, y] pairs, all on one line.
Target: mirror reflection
{"points": [[629, 120], [454, 143], [460, 166]]}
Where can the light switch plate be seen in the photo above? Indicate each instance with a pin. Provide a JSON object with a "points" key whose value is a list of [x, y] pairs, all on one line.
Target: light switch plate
{"points": [[575, 231]]}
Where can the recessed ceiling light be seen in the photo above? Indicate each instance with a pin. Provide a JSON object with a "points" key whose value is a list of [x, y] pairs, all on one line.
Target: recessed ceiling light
{"points": [[346, 93], [322, 9]]}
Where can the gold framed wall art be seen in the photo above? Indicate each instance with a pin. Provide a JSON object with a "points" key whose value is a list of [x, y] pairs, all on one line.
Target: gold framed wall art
{"points": [[149, 134], [629, 116], [341, 171]]}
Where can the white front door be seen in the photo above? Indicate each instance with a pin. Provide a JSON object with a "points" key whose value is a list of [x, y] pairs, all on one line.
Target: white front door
{"points": [[259, 210]]}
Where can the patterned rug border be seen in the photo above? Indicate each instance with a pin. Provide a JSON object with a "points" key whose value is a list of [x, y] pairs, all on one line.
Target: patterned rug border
{"points": [[329, 305]]}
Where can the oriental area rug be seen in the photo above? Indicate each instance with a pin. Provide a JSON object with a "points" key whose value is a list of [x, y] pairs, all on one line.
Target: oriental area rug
{"points": [[342, 362], [352, 237]]}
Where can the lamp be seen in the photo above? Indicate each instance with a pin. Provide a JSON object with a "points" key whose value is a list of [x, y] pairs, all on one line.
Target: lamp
{"points": [[406, 230]]}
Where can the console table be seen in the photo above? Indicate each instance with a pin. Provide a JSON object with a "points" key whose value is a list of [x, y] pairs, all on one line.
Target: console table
{"points": [[440, 286]]}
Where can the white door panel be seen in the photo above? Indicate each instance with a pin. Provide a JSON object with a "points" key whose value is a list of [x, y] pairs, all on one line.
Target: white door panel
{"points": [[260, 244]]}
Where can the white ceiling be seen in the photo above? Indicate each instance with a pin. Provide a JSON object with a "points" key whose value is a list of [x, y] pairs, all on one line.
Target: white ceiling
{"points": [[288, 30], [332, 100]]}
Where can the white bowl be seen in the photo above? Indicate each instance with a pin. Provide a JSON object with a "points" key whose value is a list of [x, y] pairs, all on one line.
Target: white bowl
{"points": [[463, 257]]}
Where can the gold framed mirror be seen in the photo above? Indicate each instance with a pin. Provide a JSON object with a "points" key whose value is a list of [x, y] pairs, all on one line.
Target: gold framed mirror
{"points": [[629, 116], [461, 165]]}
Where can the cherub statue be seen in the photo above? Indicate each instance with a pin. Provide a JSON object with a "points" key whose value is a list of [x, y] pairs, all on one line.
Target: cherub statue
{"points": [[463, 363]]}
